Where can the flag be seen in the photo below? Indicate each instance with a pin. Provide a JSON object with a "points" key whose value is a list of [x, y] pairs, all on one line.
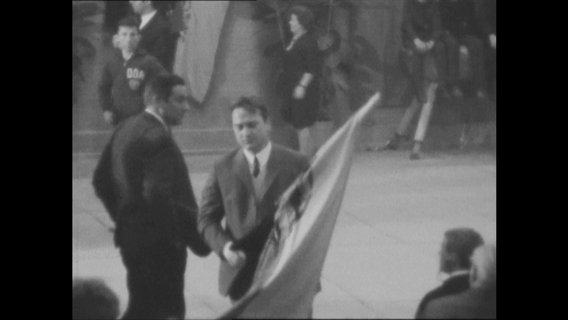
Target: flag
{"points": [[289, 269], [196, 49]]}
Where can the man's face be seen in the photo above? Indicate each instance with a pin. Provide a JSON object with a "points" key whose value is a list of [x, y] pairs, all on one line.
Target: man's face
{"points": [[295, 25], [445, 265], [176, 106], [251, 131], [127, 38], [138, 6]]}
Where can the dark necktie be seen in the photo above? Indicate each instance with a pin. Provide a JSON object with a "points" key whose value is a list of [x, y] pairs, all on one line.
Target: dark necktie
{"points": [[256, 169]]}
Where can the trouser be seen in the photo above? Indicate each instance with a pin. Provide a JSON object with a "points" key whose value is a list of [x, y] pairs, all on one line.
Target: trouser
{"points": [[422, 68], [449, 65], [425, 109], [155, 281], [491, 65]]}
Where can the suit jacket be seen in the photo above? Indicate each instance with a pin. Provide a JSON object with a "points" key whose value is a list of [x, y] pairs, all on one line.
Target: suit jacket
{"points": [[459, 18], [229, 196], [157, 40], [143, 182], [453, 285], [420, 20], [487, 16], [471, 304]]}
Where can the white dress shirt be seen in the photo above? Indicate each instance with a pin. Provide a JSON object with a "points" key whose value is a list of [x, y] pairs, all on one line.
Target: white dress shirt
{"points": [[157, 116], [145, 18], [262, 157]]}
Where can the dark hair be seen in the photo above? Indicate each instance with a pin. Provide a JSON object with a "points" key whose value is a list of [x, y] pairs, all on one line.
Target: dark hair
{"points": [[93, 299], [462, 242], [129, 21], [161, 86], [304, 15], [252, 105]]}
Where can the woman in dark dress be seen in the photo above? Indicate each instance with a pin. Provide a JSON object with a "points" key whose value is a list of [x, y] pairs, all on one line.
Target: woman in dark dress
{"points": [[298, 82]]}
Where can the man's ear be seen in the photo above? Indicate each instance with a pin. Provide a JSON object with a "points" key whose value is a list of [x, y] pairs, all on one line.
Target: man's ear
{"points": [[451, 259], [115, 41], [472, 275]]}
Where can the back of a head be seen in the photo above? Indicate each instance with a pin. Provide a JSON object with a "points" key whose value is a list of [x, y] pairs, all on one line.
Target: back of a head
{"points": [[484, 267], [462, 242], [93, 299], [160, 87]]}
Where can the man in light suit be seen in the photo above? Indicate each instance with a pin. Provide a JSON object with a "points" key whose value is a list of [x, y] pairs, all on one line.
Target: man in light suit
{"points": [[242, 191], [143, 182]]}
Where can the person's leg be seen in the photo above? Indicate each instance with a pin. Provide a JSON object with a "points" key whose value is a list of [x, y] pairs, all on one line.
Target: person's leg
{"points": [[168, 272], [401, 132], [423, 121], [491, 69], [453, 51], [413, 65], [476, 54], [139, 292]]}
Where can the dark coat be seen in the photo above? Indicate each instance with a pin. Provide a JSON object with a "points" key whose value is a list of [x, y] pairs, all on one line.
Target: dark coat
{"points": [[471, 304], [487, 16], [459, 18], [420, 20], [302, 58], [229, 194], [143, 182], [453, 285], [157, 40]]}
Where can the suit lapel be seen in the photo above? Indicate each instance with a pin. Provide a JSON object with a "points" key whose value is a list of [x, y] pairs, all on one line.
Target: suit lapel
{"points": [[272, 170], [241, 167]]}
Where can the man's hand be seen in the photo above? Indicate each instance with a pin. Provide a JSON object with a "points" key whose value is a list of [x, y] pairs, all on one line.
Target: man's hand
{"points": [[235, 258], [420, 45], [115, 42], [493, 40], [109, 116], [299, 92]]}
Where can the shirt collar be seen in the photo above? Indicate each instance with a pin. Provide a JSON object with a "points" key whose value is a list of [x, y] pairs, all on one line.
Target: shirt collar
{"points": [[262, 156], [146, 17], [157, 116], [458, 273]]}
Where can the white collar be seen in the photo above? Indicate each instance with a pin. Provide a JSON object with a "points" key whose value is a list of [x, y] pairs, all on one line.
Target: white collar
{"points": [[157, 116], [262, 156], [293, 41], [458, 273], [146, 17]]}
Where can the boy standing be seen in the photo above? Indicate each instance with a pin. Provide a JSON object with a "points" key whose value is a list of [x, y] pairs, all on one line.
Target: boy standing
{"points": [[125, 74]]}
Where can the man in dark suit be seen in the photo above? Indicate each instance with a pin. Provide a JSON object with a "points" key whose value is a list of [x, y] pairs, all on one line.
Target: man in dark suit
{"points": [[457, 247], [242, 190], [479, 302], [487, 17], [420, 54], [461, 36], [143, 182], [157, 39]]}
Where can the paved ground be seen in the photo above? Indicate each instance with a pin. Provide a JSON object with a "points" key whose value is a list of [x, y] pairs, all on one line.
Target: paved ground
{"points": [[384, 252]]}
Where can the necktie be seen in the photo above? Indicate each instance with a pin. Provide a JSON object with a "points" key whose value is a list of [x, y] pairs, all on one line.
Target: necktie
{"points": [[256, 169]]}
